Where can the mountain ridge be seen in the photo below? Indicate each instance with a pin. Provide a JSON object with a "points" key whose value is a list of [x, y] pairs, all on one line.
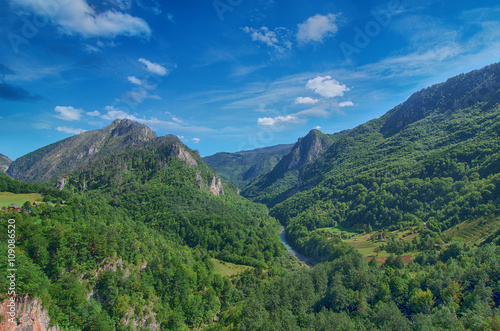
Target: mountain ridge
{"points": [[71, 153], [241, 167], [285, 177]]}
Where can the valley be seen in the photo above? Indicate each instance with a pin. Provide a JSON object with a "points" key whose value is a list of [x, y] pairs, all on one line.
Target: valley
{"points": [[391, 225]]}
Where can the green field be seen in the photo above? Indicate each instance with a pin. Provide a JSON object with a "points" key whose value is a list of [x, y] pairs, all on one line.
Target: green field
{"points": [[229, 269], [338, 231], [7, 198], [474, 232], [365, 245]]}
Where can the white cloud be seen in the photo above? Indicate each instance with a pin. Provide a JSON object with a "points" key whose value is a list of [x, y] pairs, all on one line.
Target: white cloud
{"points": [[326, 87], [134, 80], [277, 38], [78, 17], [68, 113], [70, 130], [94, 113], [305, 101], [316, 28], [196, 140], [113, 113], [271, 121], [317, 127], [346, 104], [154, 68], [177, 119]]}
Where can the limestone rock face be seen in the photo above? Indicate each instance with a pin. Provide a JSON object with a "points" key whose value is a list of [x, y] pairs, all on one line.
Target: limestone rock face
{"points": [[29, 314], [216, 186], [4, 163]]}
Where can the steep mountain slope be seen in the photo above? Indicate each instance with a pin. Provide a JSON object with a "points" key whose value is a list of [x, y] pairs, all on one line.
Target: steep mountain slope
{"points": [[286, 176], [74, 152], [242, 167], [135, 242], [418, 163], [4, 163]]}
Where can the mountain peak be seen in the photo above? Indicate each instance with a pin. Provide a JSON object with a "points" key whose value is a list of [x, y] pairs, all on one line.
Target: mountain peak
{"points": [[74, 152], [314, 132]]}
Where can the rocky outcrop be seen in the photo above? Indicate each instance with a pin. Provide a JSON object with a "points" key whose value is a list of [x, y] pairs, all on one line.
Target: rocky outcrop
{"points": [[185, 156], [306, 150], [216, 186], [147, 318], [24, 313], [4, 163], [61, 183]]}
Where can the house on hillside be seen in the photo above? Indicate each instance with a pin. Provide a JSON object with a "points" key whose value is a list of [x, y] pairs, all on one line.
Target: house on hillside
{"points": [[14, 208]]}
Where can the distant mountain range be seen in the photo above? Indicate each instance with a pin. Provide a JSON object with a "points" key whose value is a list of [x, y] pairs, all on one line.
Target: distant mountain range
{"points": [[4, 163], [242, 167]]}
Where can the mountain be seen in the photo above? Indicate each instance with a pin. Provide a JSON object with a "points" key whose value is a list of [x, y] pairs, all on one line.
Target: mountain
{"points": [[426, 177], [69, 154], [242, 167], [284, 179], [4, 163], [434, 159], [148, 237]]}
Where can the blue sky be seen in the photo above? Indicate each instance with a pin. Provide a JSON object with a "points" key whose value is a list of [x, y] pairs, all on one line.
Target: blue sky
{"points": [[226, 75]]}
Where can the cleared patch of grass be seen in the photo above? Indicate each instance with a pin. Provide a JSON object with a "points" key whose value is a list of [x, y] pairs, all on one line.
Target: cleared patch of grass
{"points": [[339, 231], [473, 232], [7, 198], [229, 269], [368, 247]]}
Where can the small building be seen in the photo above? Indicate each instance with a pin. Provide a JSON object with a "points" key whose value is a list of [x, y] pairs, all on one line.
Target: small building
{"points": [[14, 208]]}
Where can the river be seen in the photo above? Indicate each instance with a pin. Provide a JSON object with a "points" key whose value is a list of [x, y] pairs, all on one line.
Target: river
{"points": [[299, 256]]}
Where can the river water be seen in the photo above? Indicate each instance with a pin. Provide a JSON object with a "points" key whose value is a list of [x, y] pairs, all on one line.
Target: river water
{"points": [[292, 252]]}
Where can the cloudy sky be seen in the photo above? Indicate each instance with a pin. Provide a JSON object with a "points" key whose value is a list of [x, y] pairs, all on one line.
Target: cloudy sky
{"points": [[226, 75]]}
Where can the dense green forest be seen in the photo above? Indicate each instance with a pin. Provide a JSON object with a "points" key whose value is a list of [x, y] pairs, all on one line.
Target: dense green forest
{"points": [[456, 289], [132, 245], [129, 239], [441, 168], [431, 164]]}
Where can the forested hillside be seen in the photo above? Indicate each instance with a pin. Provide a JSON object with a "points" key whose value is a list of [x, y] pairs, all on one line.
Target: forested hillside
{"points": [[242, 167], [145, 235], [284, 179], [417, 164], [457, 289], [133, 245], [430, 166]]}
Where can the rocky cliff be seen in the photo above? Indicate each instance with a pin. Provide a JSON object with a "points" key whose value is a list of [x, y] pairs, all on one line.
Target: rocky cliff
{"points": [[24, 313], [4, 163]]}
